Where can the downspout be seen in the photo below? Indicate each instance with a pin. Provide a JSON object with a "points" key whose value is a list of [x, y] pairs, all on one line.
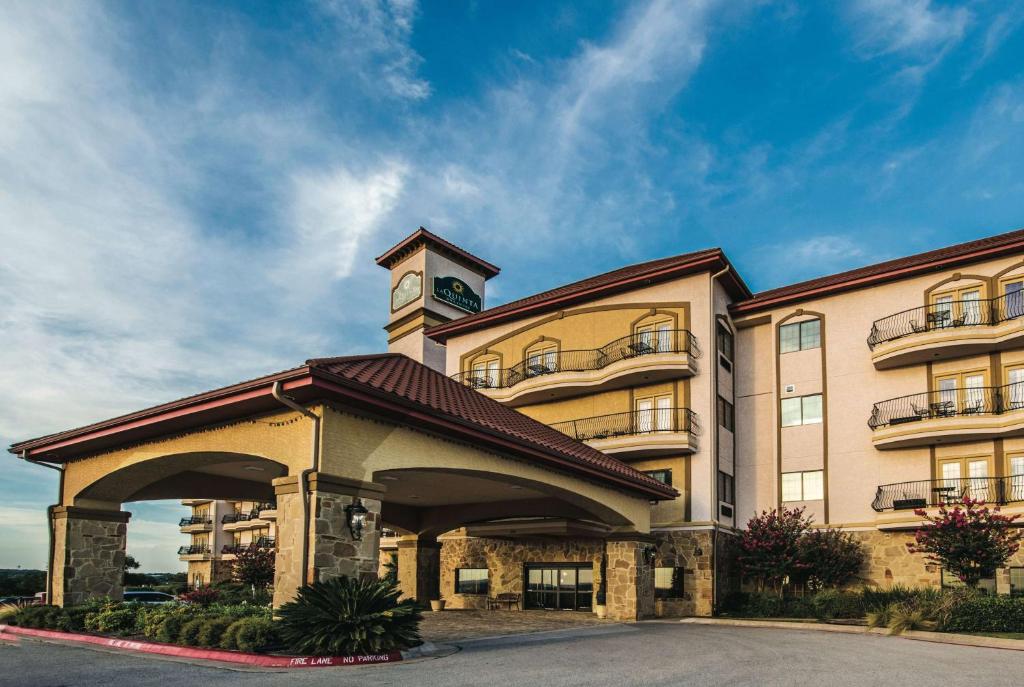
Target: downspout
{"points": [[714, 440], [49, 523], [275, 390]]}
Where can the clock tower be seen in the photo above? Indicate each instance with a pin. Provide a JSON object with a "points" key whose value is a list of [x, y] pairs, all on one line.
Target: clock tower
{"points": [[432, 282]]}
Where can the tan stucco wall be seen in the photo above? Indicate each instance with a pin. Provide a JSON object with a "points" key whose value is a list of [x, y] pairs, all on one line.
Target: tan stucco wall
{"points": [[359, 448]]}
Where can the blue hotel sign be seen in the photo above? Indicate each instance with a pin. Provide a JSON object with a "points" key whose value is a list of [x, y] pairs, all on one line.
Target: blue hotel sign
{"points": [[457, 294]]}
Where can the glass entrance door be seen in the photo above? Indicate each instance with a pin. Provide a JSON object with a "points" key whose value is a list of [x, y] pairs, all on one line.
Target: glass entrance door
{"points": [[566, 587]]}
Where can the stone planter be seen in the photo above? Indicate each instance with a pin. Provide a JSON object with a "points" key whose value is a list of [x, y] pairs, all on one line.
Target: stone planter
{"points": [[437, 605]]}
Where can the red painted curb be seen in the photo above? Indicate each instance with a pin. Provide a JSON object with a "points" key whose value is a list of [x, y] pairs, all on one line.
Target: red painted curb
{"points": [[176, 651]]}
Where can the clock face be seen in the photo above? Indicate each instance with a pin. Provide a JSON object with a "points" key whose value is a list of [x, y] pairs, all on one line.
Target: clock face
{"points": [[409, 288]]}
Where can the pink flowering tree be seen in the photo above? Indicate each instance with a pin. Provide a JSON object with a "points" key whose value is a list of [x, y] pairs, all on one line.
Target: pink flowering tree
{"points": [[970, 542], [770, 547]]}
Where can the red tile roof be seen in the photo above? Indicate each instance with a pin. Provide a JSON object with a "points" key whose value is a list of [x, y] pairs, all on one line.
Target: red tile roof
{"points": [[421, 236], [623, 279], [387, 383], [891, 270], [411, 382]]}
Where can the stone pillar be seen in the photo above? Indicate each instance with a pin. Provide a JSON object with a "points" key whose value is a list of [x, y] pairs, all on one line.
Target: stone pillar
{"points": [[88, 555], [630, 580], [419, 569], [332, 550]]}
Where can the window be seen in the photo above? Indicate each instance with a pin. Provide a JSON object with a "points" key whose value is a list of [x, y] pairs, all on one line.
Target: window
{"points": [[725, 342], [803, 486], [654, 414], [668, 583], [1017, 581], [663, 476], [541, 360], [955, 308], [471, 581], [726, 414], [654, 338], [801, 410], [485, 374], [950, 581], [726, 487], [800, 336]]}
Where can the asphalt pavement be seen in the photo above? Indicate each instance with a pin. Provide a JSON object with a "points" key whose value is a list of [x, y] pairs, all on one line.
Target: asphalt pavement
{"points": [[618, 656]]}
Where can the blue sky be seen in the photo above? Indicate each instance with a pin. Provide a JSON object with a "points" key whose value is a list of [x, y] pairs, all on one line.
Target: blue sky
{"points": [[191, 195]]}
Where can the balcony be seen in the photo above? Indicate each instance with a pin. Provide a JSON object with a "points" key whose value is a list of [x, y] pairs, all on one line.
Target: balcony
{"points": [[196, 523], [637, 434], [947, 330], [949, 416], [194, 550], [641, 358], [948, 492]]}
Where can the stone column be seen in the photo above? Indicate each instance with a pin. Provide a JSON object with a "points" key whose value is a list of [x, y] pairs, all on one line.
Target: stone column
{"points": [[332, 550], [88, 555], [630, 580], [419, 568]]}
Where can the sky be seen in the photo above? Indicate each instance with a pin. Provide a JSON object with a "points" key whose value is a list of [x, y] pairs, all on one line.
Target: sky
{"points": [[192, 194]]}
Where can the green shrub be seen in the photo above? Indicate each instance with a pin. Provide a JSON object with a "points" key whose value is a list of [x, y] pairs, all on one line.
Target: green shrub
{"points": [[344, 616], [799, 607], [40, 617], [734, 603], [255, 634], [832, 603], [120, 620], [170, 629], [212, 630], [189, 633], [909, 616], [761, 605], [977, 613], [880, 617], [229, 640]]}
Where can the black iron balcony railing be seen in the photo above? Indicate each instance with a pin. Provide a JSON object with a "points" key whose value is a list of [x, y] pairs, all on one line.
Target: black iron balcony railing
{"points": [[254, 514], [941, 492], [193, 550], [233, 548], [195, 520], [268, 505], [584, 360], [265, 543], [947, 316], [634, 422], [985, 400]]}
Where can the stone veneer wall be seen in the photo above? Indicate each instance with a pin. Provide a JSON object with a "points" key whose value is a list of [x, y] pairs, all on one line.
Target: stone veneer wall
{"points": [[334, 552], [679, 549], [505, 559], [630, 583], [88, 558], [890, 563]]}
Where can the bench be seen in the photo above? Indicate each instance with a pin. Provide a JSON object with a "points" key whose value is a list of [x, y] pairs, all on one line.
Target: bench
{"points": [[507, 600]]}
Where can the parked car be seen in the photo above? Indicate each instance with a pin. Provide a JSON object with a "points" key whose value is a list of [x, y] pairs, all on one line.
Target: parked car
{"points": [[146, 596]]}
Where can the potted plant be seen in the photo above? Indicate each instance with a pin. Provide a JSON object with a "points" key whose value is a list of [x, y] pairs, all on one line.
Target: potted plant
{"points": [[600, 607], [437, 605]]}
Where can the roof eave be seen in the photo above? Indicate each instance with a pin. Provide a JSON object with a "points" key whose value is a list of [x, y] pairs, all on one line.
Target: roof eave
{"points": [[715, 260]]}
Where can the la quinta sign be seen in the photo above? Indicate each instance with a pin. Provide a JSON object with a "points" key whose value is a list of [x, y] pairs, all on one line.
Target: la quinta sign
{"points": [[457, 294]]}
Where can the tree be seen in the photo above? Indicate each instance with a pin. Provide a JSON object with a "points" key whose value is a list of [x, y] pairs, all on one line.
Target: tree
{"points": [[254, 566], [832, 558], [770, 547], [130, 563], [970, 542]]}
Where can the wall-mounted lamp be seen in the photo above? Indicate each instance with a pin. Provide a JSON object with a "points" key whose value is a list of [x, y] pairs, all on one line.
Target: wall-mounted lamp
{"points": [[356, 514], [649, 554]]}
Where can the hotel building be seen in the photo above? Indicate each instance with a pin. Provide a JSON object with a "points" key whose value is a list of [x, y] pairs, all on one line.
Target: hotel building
{"points": [[603, 441]]}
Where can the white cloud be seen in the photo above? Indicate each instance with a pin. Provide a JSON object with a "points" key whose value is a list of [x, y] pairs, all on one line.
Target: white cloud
{"points": [[914, 28], [382, 54], [334, 211]]}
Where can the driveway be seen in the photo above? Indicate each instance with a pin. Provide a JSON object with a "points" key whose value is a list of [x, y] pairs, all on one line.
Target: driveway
{"points": [[613, 655]]}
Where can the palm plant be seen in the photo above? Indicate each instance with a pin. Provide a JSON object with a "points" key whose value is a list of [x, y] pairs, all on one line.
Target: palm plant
{"points": [[347, 616]]}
